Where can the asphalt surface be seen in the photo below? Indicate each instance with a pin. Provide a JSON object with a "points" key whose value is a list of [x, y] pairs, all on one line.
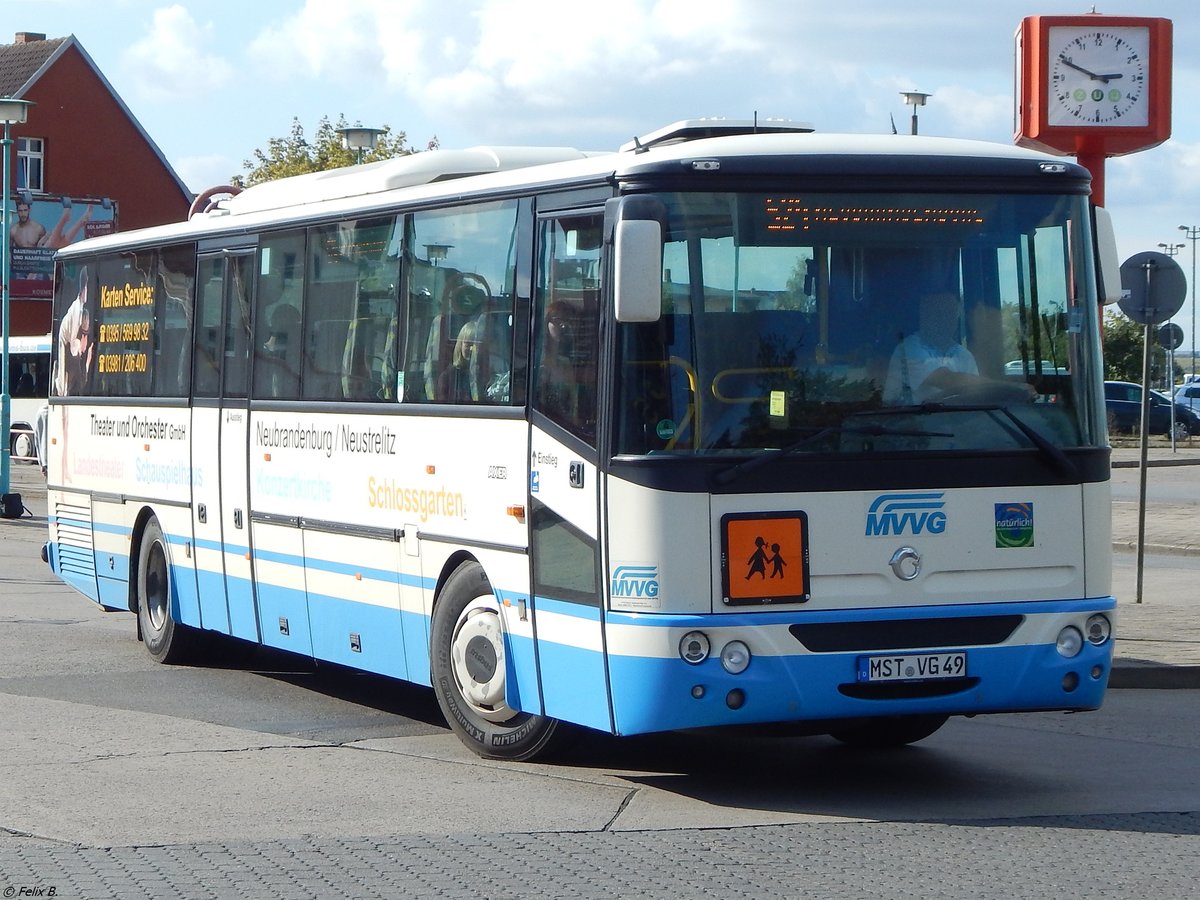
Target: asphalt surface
{"points": [[1158, 633]]}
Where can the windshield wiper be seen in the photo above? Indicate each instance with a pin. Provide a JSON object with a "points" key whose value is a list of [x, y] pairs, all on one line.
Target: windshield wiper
{"points": [[1048, 448], [732, 473]]}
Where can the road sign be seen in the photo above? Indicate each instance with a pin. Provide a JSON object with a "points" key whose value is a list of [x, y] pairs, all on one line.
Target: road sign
{"points": [[1154, 286], [1170, 336]]}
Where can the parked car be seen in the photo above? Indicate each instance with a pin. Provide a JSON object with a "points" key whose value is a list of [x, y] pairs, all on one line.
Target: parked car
{"points": [[1017, 367], [1188, 395], [1123, 400]]}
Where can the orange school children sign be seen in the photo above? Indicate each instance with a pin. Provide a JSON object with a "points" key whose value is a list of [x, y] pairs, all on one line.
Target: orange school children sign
{"points": [[764, 558]]}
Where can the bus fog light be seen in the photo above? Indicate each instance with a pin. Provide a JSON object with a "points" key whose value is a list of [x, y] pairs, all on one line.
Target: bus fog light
{"points": [[1098, 629], [1070, 642], [1070, 681], [735, 656], [694, 647]]}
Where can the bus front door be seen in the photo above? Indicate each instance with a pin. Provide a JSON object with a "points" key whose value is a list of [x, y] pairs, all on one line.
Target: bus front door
{"points": [[564, 486], [220, 431]]}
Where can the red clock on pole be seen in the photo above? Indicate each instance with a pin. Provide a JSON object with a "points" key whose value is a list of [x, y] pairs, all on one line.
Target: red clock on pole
{"points": [[1093, 85]]}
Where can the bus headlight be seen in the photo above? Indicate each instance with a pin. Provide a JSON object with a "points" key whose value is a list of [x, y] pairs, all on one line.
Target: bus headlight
{"points": [[1070, 642], [1098, 629], [694, 647], [735, 656]]}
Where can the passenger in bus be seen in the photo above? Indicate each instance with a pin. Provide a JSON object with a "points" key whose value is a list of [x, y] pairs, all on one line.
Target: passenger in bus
{"points": [[279, 352], [483, 353], [447, 365], [566, 373], [930, 362], [24, 385]]}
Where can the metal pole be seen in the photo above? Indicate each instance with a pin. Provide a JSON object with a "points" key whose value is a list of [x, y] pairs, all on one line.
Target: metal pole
{"points": [[1171, 392], [5, 267], [1192, 233], [1144, 448]]}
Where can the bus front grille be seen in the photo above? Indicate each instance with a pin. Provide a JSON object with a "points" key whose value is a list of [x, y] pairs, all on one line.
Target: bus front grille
{"points": [[905, 634]]}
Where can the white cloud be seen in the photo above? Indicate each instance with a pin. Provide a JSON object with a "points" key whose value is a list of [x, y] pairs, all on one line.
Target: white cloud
{"points": [[363, 43], [173, 60]]}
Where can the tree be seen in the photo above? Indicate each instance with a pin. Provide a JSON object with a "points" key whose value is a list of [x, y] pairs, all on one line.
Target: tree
{"points": [[296, 155], [1123, 350]]}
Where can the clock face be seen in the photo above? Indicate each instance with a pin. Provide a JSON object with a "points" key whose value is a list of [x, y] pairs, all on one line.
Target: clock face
{"points": [[1098, 76]]}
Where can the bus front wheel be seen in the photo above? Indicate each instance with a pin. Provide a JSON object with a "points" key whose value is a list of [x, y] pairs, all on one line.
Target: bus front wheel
{"points": [[166, 640], [890, 731], [468, 672]]}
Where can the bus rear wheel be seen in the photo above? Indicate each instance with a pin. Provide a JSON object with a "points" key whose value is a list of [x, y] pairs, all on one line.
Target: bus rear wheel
{"points": [[468, 671], [890, 731], [22, 445], [166, 640]]}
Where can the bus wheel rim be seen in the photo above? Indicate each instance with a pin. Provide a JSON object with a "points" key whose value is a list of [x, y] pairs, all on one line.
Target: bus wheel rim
{"points": [[477, 660], [157, 596]]}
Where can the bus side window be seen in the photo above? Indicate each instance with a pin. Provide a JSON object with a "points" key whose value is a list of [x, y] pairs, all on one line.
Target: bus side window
{"points": [[24, 385], [568, 310], [323, 372], [566, 364], [277, 358], [367, 373], [453, 337]]}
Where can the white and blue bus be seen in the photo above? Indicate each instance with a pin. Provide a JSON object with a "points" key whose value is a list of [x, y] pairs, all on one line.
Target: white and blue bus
{"points": [[633, 441], [29, 383]]}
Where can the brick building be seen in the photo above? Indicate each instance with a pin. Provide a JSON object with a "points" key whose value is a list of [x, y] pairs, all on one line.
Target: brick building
{"points": [[81, 165]]}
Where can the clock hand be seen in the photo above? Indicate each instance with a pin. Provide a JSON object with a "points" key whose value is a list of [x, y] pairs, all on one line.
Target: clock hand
{"points": [[1090, 74]]}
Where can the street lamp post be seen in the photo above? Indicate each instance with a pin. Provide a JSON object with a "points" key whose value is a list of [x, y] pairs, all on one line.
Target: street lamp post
{"points": [[12, 112], [360, 139], [1171, 250], [914, 99], [1192, 233]]}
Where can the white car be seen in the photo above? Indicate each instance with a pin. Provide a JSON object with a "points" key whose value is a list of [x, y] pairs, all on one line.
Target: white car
{"points": [[1188, 395]]}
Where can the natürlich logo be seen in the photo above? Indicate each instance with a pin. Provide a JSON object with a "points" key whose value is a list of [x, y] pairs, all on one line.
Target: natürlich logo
{"points": [[1014, 525]]}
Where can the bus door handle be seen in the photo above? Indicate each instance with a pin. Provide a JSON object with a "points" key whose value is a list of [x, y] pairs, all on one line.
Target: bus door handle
{"points": [[237, 518]]}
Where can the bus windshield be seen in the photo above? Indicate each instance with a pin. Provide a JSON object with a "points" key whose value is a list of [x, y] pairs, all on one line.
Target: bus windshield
{"points": [[865, 323]]}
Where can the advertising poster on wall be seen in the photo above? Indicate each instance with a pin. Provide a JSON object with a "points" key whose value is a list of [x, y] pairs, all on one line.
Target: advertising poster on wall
{"points": [[40, 225]]}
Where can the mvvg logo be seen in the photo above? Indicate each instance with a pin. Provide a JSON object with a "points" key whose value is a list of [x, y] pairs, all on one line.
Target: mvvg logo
{"points": [[896, 513], [635, 581]]}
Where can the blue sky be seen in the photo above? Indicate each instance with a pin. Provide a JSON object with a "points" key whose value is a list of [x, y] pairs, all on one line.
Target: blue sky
{"points": [[212, 80]]}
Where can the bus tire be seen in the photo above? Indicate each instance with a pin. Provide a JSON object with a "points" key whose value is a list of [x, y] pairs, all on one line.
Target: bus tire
{"points": [[467, 670], [166, 640], [890, 731], [22, 445]]}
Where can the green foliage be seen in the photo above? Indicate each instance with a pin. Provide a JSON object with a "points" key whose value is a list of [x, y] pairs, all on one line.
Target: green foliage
{"points": [[1030, 337], [1123, 351], [296, 155]]}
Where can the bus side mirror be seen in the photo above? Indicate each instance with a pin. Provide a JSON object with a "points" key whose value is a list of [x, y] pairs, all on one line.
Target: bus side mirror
{"points": [[635, 227], [1108, 262], [637, 284]]}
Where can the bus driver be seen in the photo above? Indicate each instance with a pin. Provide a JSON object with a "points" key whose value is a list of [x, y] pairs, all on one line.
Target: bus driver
{"points": [[930, 361]]}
